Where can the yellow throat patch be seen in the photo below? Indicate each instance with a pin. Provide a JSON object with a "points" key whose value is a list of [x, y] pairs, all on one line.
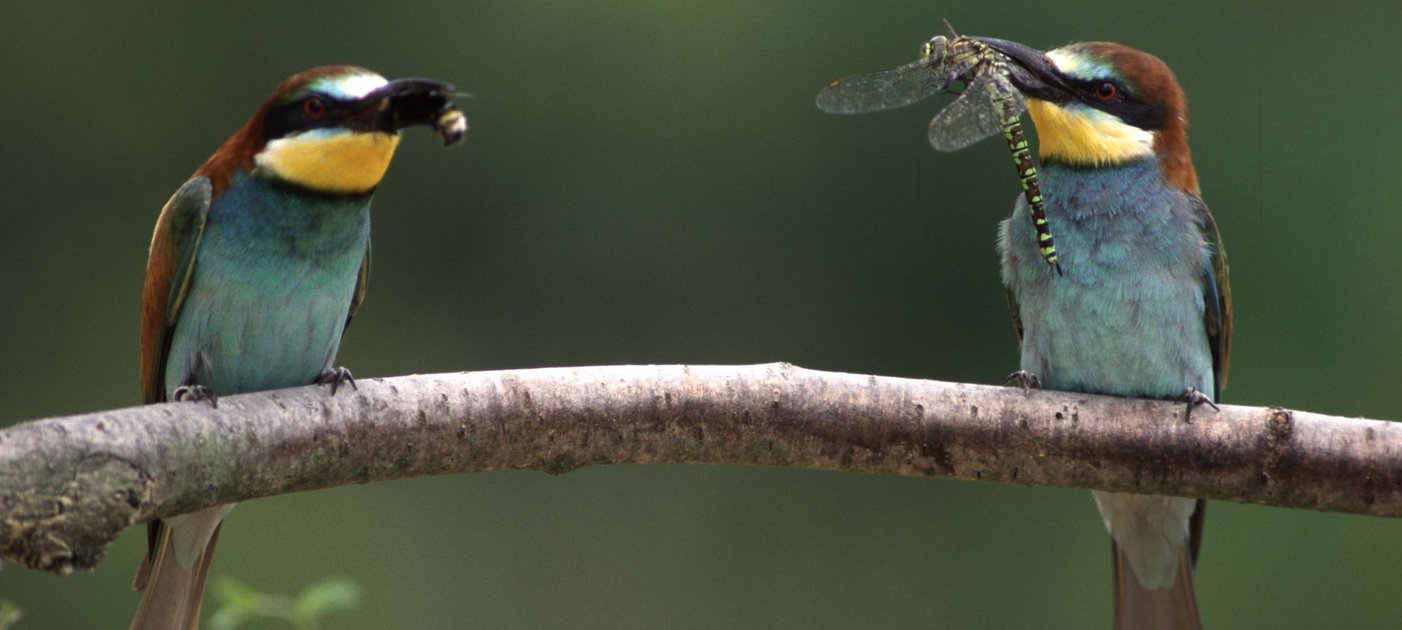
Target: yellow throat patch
{"points": [[1087, 137], [344, 163]]}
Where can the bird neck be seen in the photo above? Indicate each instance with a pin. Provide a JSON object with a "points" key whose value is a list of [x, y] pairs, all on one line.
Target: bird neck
{"points": [[259, 213]]}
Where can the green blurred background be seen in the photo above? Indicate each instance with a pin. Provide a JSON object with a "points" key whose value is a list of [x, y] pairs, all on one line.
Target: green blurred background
{"points": [[650, 182]]}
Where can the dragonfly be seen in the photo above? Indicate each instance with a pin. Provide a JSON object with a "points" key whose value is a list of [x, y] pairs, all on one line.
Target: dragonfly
{"points": [[988, 104]]}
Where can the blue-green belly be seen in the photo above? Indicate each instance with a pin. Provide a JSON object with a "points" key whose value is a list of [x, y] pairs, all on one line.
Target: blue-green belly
{"points": [[272, 286], [1126, 319]]}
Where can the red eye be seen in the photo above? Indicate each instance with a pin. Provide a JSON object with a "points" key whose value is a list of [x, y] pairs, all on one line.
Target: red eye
{"points": [[314, 107], [1107, 91]]}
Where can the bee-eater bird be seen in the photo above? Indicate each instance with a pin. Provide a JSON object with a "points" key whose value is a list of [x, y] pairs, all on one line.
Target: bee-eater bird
{"points": [[258, 263], [1144, 307]]}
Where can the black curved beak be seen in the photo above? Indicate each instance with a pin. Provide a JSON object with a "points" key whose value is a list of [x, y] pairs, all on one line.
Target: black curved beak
{"points": [[409, 102], [1041, 79]]}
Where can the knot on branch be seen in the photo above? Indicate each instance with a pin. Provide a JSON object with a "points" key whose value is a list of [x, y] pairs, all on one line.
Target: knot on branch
{"points": [[1280, 426], [59, 523]]}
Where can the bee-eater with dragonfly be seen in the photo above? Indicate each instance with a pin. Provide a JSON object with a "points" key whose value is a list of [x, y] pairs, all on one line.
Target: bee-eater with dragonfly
{"points": [[1140, 306], [256, 267]]}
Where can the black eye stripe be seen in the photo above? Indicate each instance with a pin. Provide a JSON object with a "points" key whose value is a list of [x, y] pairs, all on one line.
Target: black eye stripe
{"points": [[292, 117], [1089, 87], [1124, 105]]}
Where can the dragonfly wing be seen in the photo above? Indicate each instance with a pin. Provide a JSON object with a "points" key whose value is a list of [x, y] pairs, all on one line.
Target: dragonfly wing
{"points": [[986, 105], [888, 89]]}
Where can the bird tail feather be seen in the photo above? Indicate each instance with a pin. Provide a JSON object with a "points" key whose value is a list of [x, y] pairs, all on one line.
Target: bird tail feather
{"points": [[1141, 608], [172, 589]]}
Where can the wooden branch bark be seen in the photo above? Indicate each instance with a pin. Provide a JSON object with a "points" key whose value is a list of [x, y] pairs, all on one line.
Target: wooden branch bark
{"points": [[69, 486]]}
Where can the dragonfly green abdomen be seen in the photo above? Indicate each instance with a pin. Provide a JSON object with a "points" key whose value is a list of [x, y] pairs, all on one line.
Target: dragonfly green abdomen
{"points": [[989, 104]]}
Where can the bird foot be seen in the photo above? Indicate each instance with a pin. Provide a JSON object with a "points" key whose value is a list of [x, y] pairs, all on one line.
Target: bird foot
{"points": [[195, 393], [335, 377], [1024, 379], [1194, 398]]}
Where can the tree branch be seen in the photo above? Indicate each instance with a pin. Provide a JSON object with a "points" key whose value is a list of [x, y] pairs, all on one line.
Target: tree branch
{"points": [[69, 486]]}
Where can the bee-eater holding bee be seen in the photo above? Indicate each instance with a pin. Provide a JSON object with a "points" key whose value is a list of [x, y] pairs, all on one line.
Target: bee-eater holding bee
{"points": [[257, 265], [1143, 308]]}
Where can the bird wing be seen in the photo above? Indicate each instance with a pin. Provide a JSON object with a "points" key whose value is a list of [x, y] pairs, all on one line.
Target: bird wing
{"points": [[360, 281], [171, 264], [1217, 297], [1008, 291], [1016, 313]]}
